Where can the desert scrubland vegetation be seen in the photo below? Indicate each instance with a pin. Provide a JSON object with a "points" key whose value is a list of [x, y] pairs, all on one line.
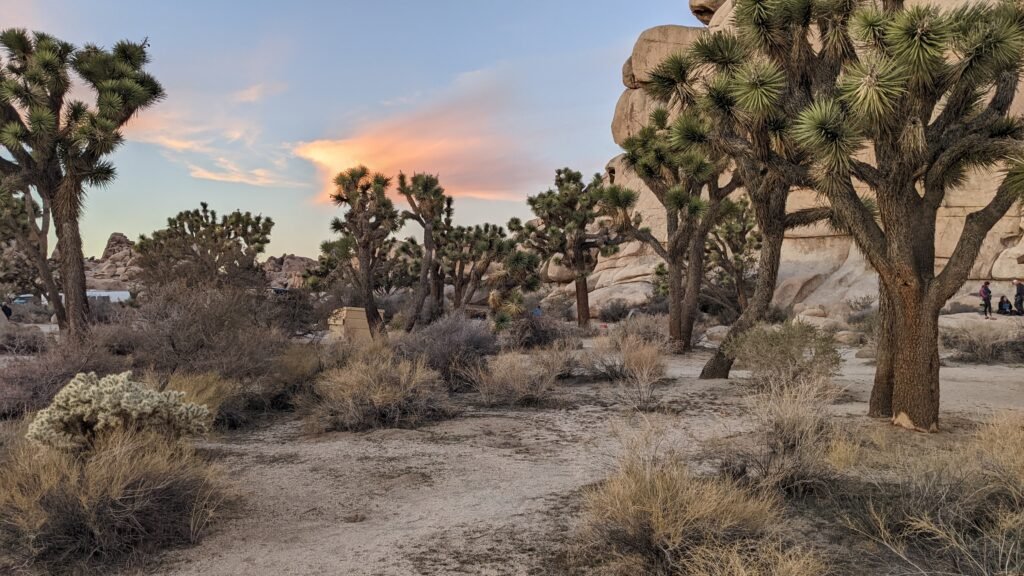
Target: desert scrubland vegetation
{"points": [[484, 423]]}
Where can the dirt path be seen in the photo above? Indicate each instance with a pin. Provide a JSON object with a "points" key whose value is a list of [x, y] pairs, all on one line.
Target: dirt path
{"points": [[490, 492]]}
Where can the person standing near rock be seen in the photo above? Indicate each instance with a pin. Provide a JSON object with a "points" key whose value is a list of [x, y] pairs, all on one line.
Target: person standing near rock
{"points": [[1018, 299], [986, 300]]}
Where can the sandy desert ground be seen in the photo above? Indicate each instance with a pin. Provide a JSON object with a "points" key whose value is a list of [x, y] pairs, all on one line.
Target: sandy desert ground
{"points": [[491, 492]]}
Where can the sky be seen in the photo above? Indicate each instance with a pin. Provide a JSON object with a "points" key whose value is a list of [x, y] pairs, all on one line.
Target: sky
{"points": [[267, 100]]}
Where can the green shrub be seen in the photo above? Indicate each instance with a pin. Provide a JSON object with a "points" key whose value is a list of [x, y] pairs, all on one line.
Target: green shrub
{"points": [[791, 351], [90, 405]]}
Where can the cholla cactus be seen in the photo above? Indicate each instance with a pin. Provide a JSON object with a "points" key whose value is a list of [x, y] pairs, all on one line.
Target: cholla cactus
{"points": [[89, 405]]}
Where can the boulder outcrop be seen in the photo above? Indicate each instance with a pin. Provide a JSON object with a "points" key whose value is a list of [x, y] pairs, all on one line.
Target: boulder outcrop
{"points": [[288, 270], [819, 266], [115, 270]]}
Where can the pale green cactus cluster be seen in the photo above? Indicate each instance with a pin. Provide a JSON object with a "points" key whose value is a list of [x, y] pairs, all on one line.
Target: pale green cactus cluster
{"points": [[89, 405]]}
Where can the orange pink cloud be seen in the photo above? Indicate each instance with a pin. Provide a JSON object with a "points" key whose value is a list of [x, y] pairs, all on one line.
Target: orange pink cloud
{"points": [[459, 136]]}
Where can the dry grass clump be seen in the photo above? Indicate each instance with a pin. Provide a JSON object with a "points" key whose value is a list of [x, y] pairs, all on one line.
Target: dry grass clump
{"points": [[560, 359], [791, 351], [604, 360], [20, 340], [643, 368], [133, 494], [956, 512], [377, 389], [985, 345], [512, 379], [647, 328], [450, 346], [530, 332], [222, 397], [654, 516]]}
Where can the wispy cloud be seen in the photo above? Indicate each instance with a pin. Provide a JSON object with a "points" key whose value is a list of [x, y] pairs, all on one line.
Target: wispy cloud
{"points": [[223, 148], [258, 92], [462, 135]]}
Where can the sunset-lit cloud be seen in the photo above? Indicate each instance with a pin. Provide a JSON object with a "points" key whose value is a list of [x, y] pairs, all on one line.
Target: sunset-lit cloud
{"points": [[258, 92], [463, 136]]}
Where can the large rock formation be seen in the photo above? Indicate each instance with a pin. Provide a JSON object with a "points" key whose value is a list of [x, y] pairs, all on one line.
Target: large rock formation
{"points": [[115, 270], [288, 270], [819, 266]]}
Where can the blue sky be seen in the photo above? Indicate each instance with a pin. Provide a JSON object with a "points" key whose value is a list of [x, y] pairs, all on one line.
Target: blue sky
{"points": [[267, 99]]}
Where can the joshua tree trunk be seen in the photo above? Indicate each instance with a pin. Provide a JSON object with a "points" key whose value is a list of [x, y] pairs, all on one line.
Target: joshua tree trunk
{"points": [[418, 312], [885, 355], [691, 297], [773, 231], [373, 318], [915, 393], [582, 301], [675, 305], [50, 287], [72, 270]]}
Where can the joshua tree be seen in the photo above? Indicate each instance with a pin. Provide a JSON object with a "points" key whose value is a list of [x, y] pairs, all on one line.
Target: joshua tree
{"points": [[732, 250], [923, 100], [565, 214], [519, 273], [427, 207], [23, 250], [676, 179], [57, 146], [201, 249], [467, 255], [730, 101], [370, 219]]}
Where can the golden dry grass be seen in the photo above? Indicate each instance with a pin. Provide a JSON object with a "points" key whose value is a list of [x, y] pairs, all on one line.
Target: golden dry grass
{"points": [[512, 379]]}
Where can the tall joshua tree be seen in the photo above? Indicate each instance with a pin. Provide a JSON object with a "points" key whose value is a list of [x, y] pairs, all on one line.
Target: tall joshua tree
{"points": [[427, 206], [924, 99], [731, 100], [370, 219], [467, 256], [60, 146], [677, 179], [566, 213]]}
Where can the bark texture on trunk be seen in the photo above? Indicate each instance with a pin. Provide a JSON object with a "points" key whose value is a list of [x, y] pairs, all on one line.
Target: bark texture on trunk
{"points": [[675, 305], [720, 364], [417, 313], [915, 393], [691, 295], [373, 318], [50, 287], [880, 405], [72, 270], [582, 302]]}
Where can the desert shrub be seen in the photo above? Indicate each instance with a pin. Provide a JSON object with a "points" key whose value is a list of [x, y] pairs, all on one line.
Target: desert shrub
{"points": [[450, 346], [535, 332], [295, 368], [863, 315], [959, 511], [960, 308], [224, 330], [222, 397], [559, 359], [117, 338], [30, 313], [377, 389], [21, 340], [643, 368], [512, 380], [90, 405], [786, 353], [777, 314], [603, 360], [614, 311], [132, 495], [793, 439], [985, 345], [29, 383], [560, 306], [644, 327], [653, 515], [295, 312]]}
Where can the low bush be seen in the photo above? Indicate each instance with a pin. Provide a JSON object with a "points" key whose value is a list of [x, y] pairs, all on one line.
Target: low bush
{"points": [[560, 306], [560, 358], [451, 346], [223, 398], [643, 368], [227, 331], [792, 351], [643, 327], [20, 340], [614, 311], [535, 332], [654, 516], [90, 406], [953, 512], [29, 383], [985, 345], [604, 360], [377, 389], [135, 493], [512, 380]]}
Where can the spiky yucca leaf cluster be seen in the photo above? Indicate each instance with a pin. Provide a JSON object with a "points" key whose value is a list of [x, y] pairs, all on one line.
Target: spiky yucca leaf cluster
{"points": [[90, 405]]}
